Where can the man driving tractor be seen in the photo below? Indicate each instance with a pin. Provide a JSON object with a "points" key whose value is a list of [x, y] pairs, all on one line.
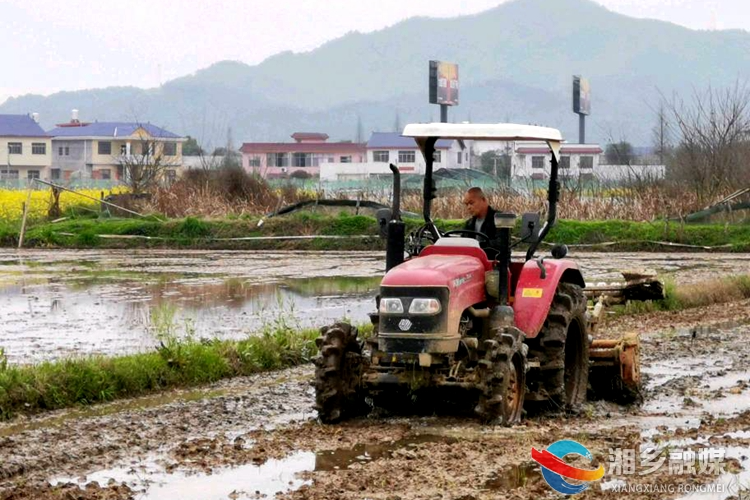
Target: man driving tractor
{"points": [[482, 219]]}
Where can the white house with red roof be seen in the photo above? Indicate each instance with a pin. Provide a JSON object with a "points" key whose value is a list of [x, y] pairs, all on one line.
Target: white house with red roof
{"points": [[308, 152]]}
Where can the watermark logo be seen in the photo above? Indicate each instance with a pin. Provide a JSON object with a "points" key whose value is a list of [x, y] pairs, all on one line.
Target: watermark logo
{"points": [[555, 470]]}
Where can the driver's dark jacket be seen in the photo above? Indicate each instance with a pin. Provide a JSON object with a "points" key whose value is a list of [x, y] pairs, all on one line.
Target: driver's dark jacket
{"points": [[489, 229]]}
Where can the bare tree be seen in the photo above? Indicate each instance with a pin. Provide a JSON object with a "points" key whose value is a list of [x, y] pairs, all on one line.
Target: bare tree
{"points": [[714, 139], [151, 163]]}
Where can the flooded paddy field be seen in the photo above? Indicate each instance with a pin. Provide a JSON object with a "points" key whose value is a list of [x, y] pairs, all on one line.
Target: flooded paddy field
{"points": [[258, 437], [59, 303]]}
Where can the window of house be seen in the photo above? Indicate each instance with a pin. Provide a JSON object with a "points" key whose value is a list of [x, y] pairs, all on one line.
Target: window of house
{"points": [[587, 162], [253, 161], [381, 156], [147, 149], [8, 175], [32, 174], [15, 148], [437, 157], [123, 149], [170, 149], [55, 173], [60, 151], [302, 159], [105, 174], [345, 159], [38, 148], [460, 158], [565, 162], [104, 148], [537, 162], [277, 160], [406, 157], [67, 150]]}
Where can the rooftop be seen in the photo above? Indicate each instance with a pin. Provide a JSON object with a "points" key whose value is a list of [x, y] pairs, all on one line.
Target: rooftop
{"points": [[110, 130], [309, 136], [302, 147], [20, 126]]}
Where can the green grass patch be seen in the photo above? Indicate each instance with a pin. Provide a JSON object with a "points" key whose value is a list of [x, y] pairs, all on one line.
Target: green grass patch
{"points": [[213, 233], [180, 361], [677, 298], [61, 384]]}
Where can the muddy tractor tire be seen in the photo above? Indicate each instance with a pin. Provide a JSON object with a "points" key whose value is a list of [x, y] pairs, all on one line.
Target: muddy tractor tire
{"points": [[502, 373], [338, 373], [562, 347]]}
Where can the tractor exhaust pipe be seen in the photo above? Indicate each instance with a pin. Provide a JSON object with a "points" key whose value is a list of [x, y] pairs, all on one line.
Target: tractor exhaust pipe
{"points": [[395, 241]]}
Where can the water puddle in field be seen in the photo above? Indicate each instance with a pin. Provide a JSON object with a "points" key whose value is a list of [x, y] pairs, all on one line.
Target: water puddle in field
{"points": [[62, 303], [363, 453], [149, 481], [72, 308], [515, 476]]}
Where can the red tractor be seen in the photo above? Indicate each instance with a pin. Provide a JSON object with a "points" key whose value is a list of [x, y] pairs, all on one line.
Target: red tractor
{"points": [[453, 326]]}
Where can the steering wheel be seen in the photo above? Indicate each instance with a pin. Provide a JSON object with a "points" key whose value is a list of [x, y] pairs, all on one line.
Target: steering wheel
{"points": [[470, 232], [414, 243]]}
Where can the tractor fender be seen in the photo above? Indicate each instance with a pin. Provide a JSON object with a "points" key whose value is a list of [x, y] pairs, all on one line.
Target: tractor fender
{"points": [[534, 294]]}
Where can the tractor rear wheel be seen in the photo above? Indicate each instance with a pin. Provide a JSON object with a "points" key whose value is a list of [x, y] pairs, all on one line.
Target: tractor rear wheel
{"points": [[338, 373], [502, 373], [562, 347]]}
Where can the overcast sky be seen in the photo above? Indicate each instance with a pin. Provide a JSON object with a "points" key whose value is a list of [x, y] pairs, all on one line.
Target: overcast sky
{"points": [[52, 45]]}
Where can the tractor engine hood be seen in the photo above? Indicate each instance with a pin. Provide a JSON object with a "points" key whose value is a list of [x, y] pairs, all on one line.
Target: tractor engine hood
{"points": [[460, 277], [451, 271]]}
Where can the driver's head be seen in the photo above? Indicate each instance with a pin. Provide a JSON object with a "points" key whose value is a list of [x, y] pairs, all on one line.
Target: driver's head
{"points": [[476, 203]]}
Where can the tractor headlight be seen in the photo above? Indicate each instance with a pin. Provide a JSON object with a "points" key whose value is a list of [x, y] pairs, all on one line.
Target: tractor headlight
{"points": [[391, 306], [424, 306]]}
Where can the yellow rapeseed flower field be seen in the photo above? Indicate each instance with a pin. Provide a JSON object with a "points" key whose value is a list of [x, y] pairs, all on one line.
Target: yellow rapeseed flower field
{"points": [[11, 201]]}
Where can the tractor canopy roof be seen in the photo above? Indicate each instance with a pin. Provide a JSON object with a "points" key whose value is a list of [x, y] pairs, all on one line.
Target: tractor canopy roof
{"points": [[484, 132]]}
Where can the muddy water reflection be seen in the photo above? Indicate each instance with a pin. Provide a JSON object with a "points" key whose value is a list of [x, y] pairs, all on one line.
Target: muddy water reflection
{"points": [[48, 316], [151, 482]]}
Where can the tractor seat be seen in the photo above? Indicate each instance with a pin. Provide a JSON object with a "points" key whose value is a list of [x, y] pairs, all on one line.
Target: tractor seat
{"points": [[457, 242]]}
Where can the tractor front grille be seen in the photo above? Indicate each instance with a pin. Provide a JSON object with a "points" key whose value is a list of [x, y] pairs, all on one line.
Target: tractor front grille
{"points": [[413, 323]]}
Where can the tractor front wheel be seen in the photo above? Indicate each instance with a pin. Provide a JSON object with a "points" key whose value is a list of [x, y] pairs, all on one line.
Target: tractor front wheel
{"points": [[338, 373], [502, 373]]}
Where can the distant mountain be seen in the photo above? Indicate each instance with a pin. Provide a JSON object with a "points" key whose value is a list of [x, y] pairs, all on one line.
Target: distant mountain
{"points": [[516, 62]]}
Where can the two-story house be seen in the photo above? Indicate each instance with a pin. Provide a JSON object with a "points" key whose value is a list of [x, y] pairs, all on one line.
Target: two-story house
{"points": [[306, 155], [385, 148], [102, 150], [25, 149]]}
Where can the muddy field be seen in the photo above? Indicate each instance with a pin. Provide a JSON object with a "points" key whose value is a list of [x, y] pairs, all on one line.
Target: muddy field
{"points": [[60, 303], [257, 437]]}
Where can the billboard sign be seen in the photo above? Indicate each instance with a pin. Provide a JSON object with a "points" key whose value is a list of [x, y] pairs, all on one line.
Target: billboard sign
{"points": [[443, 83], [581, 96]]}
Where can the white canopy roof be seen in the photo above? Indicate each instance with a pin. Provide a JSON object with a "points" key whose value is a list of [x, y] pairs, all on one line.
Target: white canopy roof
{"points": [[487, 132], [479, 131]]}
